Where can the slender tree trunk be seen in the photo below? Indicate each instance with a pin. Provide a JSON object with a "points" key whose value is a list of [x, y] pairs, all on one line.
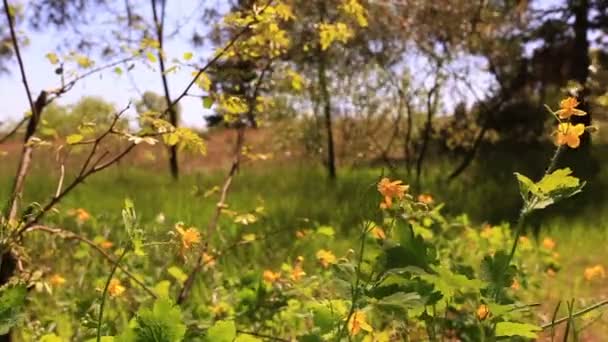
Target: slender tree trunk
{"points": [[326, 98], [408, 139], [430, 109], [173, 117], [581, 61]]}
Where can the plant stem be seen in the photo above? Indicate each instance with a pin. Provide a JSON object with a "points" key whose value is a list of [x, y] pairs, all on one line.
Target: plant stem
{"points": [[105, 293], [356, 287]]}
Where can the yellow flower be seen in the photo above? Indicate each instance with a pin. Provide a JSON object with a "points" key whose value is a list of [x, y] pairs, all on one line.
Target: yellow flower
{"points": [[326, 258], [271, 277], [57, 280], [426, 199], [115, 288], [569, 134], [391, 189], [568, 108], [358, 322], [548, 243], [189, 237], [593, 272], [378, 233], [482, 312]]}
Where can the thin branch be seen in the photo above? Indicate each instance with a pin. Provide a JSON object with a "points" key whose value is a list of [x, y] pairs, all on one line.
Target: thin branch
{"points": [[68, 235], [268, 337], [36, 109], [11, 25], [212, 228]]}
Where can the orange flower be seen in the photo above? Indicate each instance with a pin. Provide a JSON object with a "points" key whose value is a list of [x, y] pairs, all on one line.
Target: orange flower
{"points": [[271, 277], [300, 234], [426, 199], [550, 272], [106, 244], [82, 215], [593, 272], [391, 189], [208, 260], [378, 233], [326, 258], [57, 280], [515, 285], [358, 322], [569, 134], [482, 312], [548, 243], [297, 273], [568, 108], [189, 237], [115, 288]]}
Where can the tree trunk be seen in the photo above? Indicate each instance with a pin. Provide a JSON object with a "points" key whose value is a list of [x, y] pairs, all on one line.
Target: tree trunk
{"points": [[326, 98], [580, 62], [173, 117]]}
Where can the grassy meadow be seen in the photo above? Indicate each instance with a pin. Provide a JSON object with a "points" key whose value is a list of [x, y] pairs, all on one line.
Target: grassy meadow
{"points": [[295, 196]]}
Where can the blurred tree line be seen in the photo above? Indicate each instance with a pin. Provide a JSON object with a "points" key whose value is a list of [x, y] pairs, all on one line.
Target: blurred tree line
{"points": [[410, 77]]}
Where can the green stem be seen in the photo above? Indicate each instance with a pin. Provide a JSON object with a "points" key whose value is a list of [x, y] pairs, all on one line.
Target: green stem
{"points": [[553, 161], [105, 292], [356, 287]]}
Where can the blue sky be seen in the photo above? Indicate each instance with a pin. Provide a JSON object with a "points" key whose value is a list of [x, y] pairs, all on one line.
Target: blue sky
{"points": [[112, 87], [120, 89]]}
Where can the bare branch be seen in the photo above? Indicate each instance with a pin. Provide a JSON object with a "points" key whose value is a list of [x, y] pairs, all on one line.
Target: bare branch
{"points": [[68, 235], [238, 151]]}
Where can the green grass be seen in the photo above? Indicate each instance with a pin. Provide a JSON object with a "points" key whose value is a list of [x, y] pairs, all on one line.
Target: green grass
{"points": [[299, 197]]}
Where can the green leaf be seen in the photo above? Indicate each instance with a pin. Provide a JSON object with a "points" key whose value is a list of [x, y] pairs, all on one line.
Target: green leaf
{"points": [[203, 81], [171, 139], [449, 283], [187, 56], [326, 230], [526, 186], [551, 189], [178, 274], [171, 69], [151, 57], [221, 331], [136, 234], [74, 138], [161, 323], [12, 300], [496, 270], [52, 57], [247, 338], [84, 62], [118, 70], [516, 329], [207, 102], [401, 301], [162, 288]]}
